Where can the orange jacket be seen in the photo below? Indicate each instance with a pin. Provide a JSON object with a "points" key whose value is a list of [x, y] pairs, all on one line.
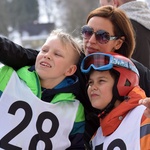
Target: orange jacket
{"points": [[112, 120]]}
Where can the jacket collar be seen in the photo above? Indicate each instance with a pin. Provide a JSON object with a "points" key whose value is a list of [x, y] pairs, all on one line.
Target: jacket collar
{"points": [[110, 123]]}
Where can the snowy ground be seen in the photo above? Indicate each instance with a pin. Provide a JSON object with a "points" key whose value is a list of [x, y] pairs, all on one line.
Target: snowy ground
{"points": [[1, 65]]}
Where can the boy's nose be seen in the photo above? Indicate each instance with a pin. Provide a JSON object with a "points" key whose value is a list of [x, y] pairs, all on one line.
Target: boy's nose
{"points": [[47, 56], [94, 87]]}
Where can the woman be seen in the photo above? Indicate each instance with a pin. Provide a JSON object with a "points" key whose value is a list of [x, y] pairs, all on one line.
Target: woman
{"points": [[116, 24]]}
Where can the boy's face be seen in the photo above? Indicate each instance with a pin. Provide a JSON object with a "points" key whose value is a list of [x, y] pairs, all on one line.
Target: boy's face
{"points": [[54, 61], [100, 89]]}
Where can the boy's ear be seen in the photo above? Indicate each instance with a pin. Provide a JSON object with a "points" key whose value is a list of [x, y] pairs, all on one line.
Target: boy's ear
{"points": [[71, 70]]}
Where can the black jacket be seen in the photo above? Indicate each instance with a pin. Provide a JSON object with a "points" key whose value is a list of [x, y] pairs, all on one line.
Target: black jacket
{"points": [[139, 14], [142, 49], [16, 56]]}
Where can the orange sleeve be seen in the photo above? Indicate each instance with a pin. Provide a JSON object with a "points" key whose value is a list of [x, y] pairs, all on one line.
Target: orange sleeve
{"points": [[145, 134]]}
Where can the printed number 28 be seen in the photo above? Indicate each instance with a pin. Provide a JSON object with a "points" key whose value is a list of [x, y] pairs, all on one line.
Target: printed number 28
{"points": [[43, 136]]}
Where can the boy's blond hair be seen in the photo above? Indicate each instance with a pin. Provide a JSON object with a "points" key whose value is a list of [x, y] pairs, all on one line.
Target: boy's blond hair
{"points": [[69, 42]]}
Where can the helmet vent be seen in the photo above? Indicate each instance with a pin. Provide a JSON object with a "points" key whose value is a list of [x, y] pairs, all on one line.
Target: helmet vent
{"points": [[127, 83]]}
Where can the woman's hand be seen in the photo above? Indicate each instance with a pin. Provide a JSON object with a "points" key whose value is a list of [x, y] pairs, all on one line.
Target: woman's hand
{"points": [[146, 102]]}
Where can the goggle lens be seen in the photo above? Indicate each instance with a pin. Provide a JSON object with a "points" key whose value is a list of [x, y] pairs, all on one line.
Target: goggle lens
{"points": [[96, 61], [103, 62]]}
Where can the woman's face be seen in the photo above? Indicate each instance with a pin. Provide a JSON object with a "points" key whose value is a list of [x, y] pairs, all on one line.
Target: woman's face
{"points": [[91, 45]]}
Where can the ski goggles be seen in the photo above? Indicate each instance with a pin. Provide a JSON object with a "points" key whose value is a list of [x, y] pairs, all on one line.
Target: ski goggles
{"points": [[101, 36], [103, 62]]}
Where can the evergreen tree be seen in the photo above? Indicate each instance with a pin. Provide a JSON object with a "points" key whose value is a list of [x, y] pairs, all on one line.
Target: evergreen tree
{"points": [[16, 13]]}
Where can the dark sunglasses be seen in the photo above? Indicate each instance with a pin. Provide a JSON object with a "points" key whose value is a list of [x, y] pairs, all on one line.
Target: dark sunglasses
{"points": [[101, 36]]}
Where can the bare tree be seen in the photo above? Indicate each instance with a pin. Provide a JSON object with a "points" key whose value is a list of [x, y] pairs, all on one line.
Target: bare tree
{"points": [[69, 15], [14, 13], [73, 14], [4, 17]]}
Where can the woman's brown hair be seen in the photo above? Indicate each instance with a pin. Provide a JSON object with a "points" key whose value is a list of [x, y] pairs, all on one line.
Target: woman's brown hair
{"points": [[121, 25]]}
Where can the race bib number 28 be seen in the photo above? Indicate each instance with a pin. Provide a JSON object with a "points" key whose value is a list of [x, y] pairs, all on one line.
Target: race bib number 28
{"points": [[28, 123], [41, 135]]}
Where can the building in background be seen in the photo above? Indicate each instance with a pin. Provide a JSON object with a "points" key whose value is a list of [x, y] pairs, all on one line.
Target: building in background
{"points": [[34, 35]]}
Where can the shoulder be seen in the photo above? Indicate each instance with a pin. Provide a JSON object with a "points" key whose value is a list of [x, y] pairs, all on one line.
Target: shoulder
{"points": [[144, 73], [29, 76], [5, 74], [139, 27], [140, 67], [25, 72]]}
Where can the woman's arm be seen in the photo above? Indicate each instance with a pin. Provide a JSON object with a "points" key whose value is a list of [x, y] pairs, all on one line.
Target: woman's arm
{"points": [[14, 55]]}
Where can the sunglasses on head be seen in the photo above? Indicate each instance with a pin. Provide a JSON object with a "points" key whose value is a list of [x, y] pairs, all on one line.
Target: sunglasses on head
{"points": [[101, 36], [103, 62]]}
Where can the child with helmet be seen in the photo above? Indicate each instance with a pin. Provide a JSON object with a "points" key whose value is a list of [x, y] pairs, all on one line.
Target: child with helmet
{"points": [[113, 89]]}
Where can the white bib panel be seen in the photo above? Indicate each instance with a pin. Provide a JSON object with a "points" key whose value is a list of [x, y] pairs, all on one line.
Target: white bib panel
{"points": [[28, 123], [126, 136]]}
